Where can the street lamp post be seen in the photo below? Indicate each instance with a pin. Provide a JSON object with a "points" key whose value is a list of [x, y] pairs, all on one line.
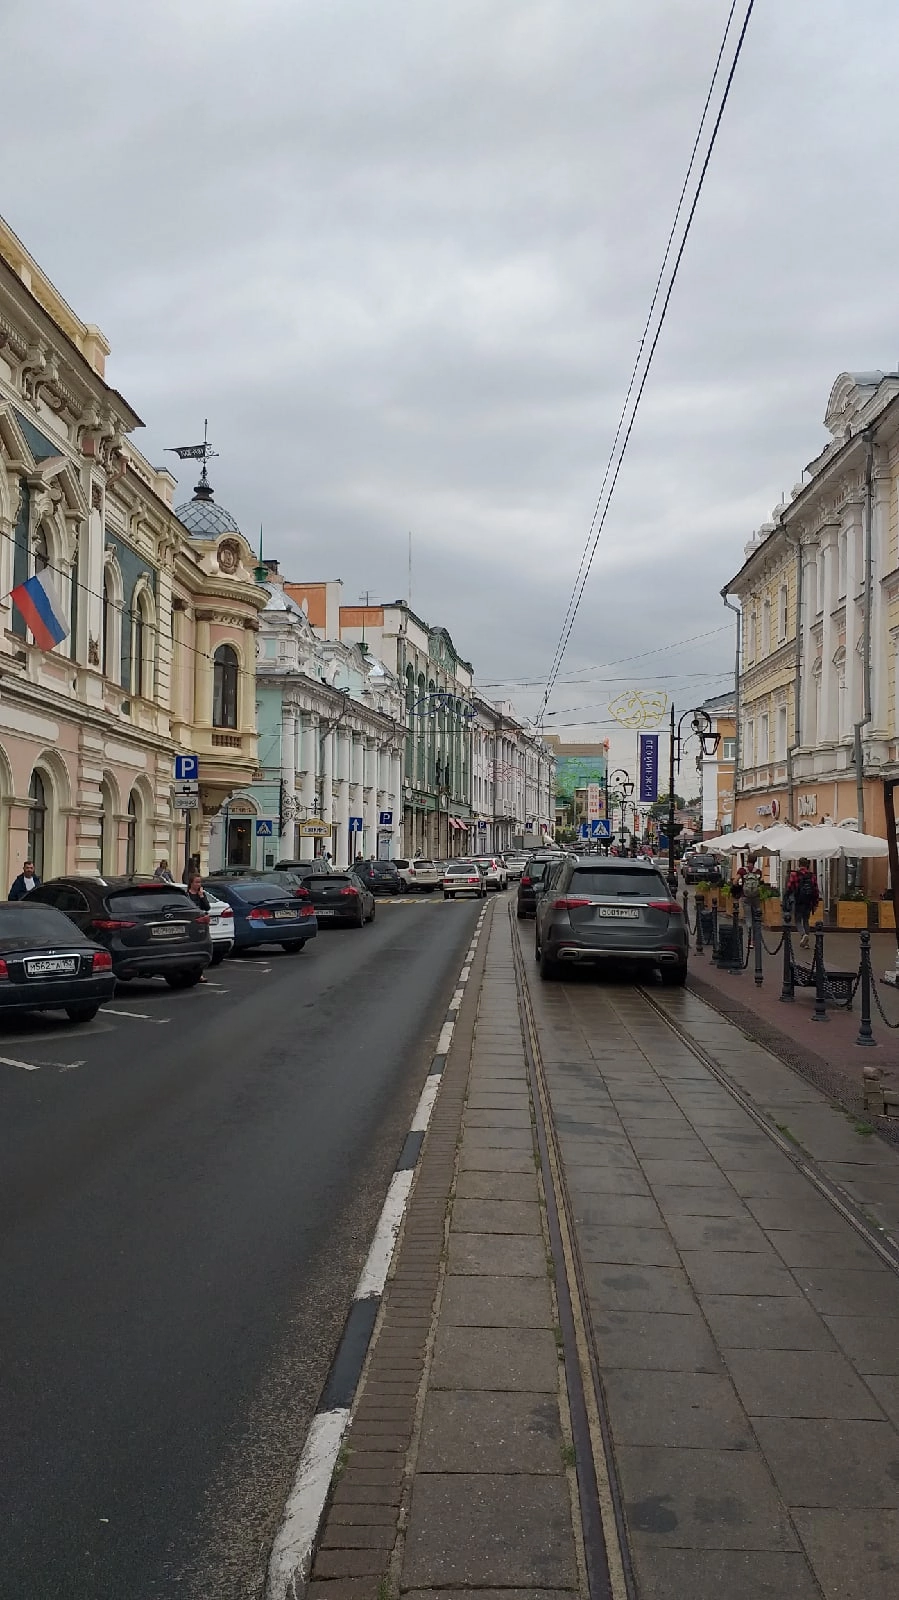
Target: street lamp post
{"points": [[702, 727], [626, 784]]}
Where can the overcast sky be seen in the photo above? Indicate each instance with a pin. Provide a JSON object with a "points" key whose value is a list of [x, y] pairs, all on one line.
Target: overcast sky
{"points": [[401, 253]]}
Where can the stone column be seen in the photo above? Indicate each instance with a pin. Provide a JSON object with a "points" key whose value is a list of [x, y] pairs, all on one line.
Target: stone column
{"points": [[808, 733], [309, 769], [828, 732], [288, 760], [854, 580], [327, 788], [342, 805], [396, 801], [880, 545], [370, 807]]}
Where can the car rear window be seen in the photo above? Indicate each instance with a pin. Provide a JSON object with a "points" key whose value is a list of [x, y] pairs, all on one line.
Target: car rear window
{"points": [[149, 902], [330, 878], [618, 880], [460, 871], [21, 926], [422, 866], [254, 894]]}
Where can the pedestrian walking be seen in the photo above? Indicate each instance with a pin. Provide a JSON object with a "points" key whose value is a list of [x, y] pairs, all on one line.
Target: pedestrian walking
{"points": [[24, 883], [196, 894], [749, 880], [803, 895], [162, 873]]}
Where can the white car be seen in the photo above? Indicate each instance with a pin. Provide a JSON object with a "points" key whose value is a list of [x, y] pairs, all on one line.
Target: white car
{"points": [[463, 877], [423, 876], [494, 870], [221, 928], [515, 864]]}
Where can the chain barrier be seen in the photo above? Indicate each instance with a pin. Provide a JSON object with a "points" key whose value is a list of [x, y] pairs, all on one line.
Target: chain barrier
{"points": [[883, 1016], [748, 948], [777, 948]]}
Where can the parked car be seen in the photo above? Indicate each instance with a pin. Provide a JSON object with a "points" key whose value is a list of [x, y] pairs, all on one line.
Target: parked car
{"points": [[612, 910], [342, 897], [494, 870], [463, 877], [381, 877], [530, 884], [425, 876], [698, 865], [286, 878], [221, 928], [151, 929], [305, 869], [47, 964], [266, 914], [515, 864]]}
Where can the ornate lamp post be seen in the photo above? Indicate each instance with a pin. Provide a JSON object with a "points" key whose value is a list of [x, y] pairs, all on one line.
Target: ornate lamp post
{"points": [[701, 725], [625, 789]]}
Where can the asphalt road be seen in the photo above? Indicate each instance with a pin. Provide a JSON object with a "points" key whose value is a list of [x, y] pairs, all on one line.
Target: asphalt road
{"points": [[187, 1195]]}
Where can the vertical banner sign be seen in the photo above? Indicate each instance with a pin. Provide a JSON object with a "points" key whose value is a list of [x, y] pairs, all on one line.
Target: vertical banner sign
{"points": [[649, 768], [594, 802]]}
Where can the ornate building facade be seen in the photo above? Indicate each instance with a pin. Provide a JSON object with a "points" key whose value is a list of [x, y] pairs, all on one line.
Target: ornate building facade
{"points": [[159, 658]]}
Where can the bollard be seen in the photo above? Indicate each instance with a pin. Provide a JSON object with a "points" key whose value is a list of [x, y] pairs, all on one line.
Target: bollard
{"points": [[714, 930], [820, 1012], [730, 945], [756, 937], [699, 906], [787, 990], [865, 1031]]}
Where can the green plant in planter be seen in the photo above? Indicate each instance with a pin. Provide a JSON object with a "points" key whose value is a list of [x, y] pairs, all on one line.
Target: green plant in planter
{"points": [[853, 894], [704, 887], [768, 892]]}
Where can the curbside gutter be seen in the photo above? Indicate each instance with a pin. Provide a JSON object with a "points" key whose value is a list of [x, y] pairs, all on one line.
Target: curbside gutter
{"points": [[291, 1556]]}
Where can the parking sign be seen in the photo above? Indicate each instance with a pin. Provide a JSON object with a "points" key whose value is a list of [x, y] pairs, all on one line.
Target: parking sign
{"points": [[187, 769]]}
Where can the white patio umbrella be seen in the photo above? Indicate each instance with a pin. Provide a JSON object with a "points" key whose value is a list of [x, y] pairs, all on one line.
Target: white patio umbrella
{"points": [[777, 840], [827, 843], [743, 839]]}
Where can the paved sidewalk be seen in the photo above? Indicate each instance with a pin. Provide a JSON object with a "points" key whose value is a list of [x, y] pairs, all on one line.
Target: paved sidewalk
{"points": [[746, 1334]]}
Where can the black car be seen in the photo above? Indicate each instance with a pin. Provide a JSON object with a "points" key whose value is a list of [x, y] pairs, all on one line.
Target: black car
{"points": [[341, 897], [46, 964], [530, 884], [381, 877], [151, 929], [697, 867], [315, 868]]}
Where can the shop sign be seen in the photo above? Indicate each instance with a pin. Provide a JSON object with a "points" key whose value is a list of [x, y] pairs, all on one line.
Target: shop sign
{"points": [[772, 809], [241, 808], [808, 805]]}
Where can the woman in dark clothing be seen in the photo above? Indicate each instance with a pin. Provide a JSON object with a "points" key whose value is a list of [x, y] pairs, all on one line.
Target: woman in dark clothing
{"points": [[803, 894], [195, 893]]}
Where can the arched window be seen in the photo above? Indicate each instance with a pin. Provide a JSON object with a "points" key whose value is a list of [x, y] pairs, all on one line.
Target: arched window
{"points": [[107, 841], [131, 836], [224, 687], [143, 641], [40, 553], [111, 658], [37, 823]]}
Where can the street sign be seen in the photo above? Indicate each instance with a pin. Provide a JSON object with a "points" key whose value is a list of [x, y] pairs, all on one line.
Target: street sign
{"points": [[187, 802], [649, 768], [187, 769], [314, 828], [355, 824], [385, 819], [189, 786], [583, 832], [599, 828], [264, 828]]}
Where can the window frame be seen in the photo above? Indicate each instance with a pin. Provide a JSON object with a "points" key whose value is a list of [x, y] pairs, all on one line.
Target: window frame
{"points": [[226, 687]]}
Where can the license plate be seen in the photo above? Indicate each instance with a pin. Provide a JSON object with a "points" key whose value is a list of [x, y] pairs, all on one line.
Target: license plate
{"points": [[169, 930], [617, 911], [324, 912], [215, 922], [286, 916], [65, 965]]}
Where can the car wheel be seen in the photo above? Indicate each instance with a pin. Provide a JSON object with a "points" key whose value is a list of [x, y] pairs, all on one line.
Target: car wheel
{"points": [[674, 977], [182, 980], [85, 1011], [373, 910], [293, 946], [218, 956], [548, 968], [360, 920]]}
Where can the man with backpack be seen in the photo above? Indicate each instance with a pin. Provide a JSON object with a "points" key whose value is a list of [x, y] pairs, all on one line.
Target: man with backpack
{"points": [[749, 880], [803, 895]]}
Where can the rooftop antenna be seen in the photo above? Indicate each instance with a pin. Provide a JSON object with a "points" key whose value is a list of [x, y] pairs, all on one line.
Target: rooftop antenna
{"points": [[261, 572], [197, 452]]}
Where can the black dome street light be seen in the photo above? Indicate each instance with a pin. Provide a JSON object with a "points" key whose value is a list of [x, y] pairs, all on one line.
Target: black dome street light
{"points": [[701, 725], [625, 784]]}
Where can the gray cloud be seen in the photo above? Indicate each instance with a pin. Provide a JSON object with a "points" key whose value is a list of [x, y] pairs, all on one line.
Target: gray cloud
{"points": [[401, 254]]}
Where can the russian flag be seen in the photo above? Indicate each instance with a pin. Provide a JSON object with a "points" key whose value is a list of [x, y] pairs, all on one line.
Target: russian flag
{"points": [[39, 604]]}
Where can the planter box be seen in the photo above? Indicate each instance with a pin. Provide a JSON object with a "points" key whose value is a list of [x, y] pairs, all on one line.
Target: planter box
{"points": [[886, 916], [772, 912], [852, 913]]}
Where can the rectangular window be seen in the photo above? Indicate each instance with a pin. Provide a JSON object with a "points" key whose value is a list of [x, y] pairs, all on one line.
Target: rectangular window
{"points": [[766, 628], [749, 744], [763, 738], [780, 734], [782, 606], [841, 566], [751, 637], [729, 749]]}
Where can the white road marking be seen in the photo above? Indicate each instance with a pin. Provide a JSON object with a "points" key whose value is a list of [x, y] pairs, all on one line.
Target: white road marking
{"points": [[137, 1016], [374, 1273], [35, 1066], [458, 997], [425, 1106], [292, 1550], [446, 1038], [465, 974]]}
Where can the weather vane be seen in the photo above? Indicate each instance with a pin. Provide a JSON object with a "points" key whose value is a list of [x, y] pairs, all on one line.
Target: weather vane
{"points": [[196, 452]]}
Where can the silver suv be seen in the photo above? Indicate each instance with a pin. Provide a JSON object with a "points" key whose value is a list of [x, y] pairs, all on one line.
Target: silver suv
{"points": [[611, 910]]}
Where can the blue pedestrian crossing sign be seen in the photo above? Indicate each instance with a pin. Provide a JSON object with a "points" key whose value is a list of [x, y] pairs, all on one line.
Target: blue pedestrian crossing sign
{"points": [[187, 769], [264, 828], [599, 828]]}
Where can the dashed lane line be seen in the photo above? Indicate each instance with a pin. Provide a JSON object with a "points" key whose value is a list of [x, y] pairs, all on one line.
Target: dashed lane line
{"points": [[137, 1016], [35, 1066]]}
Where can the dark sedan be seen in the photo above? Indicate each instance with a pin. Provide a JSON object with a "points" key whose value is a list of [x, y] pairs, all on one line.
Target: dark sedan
{"points": [[530, 884], [151, 929], [264, 913], [342, 897], [381, 877], [597, 912], [46, 964], [698, 867]]}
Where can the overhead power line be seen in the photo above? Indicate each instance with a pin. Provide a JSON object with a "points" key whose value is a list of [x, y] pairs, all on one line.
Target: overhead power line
{"points": [[618, 450]]}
